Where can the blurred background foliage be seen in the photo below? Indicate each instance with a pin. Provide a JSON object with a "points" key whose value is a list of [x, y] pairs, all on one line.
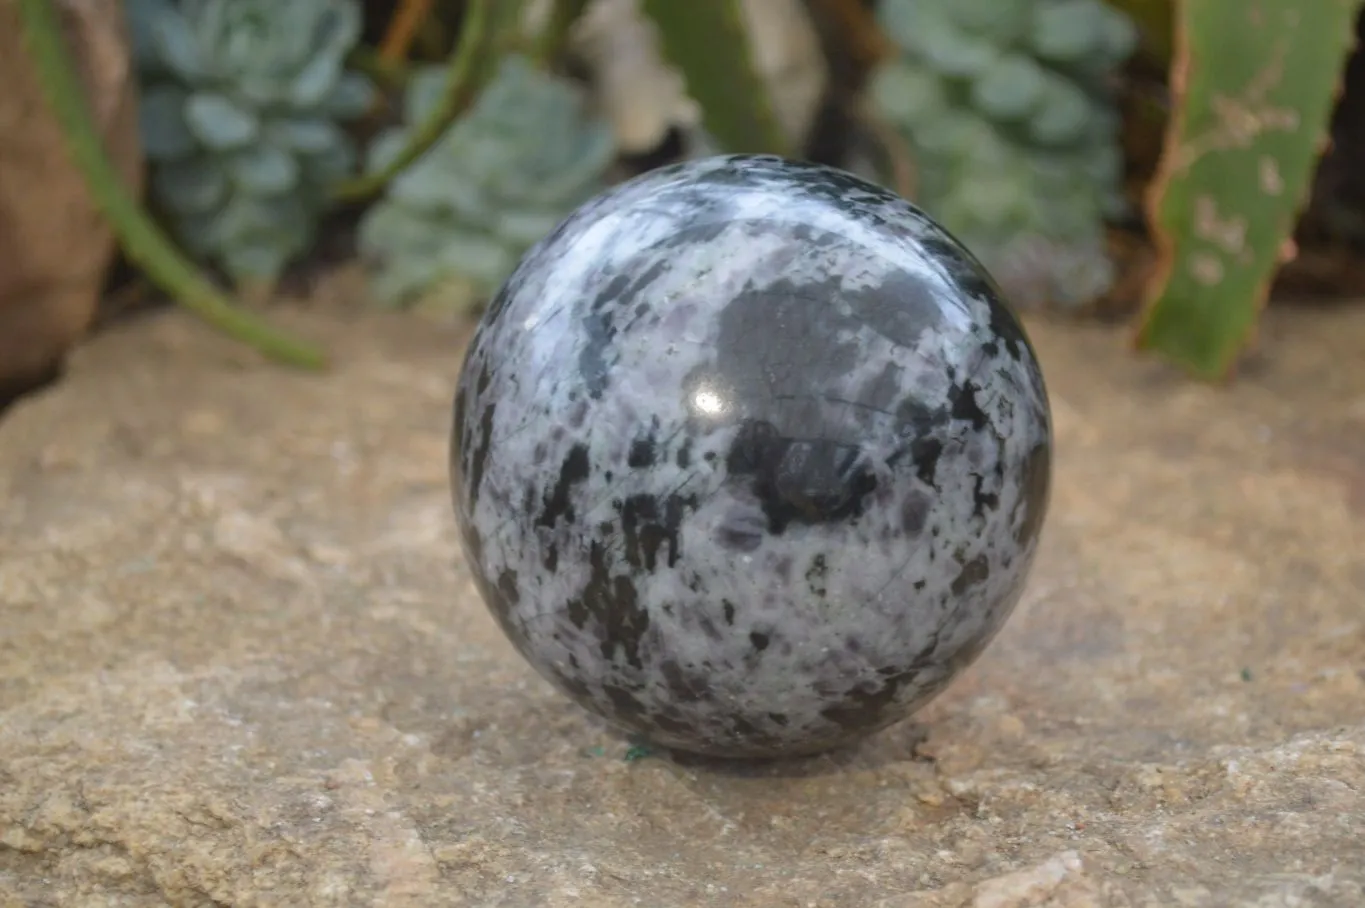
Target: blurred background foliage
{"points": [[1170, 163]]}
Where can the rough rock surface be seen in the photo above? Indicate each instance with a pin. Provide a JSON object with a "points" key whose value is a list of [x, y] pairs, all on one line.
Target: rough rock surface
{"points": [[241, 664], [55, 245]]}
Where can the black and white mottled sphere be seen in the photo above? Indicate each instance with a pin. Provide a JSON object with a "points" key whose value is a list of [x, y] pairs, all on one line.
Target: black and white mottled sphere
{"points": [[750, 458]]}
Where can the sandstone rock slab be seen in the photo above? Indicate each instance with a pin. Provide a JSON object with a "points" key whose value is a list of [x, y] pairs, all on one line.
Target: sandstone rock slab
{"points": [[241, 664]]}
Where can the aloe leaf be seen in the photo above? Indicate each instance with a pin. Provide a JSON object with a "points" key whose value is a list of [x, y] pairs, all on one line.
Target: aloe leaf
{"points": [[1254, 89], [707, 40]]}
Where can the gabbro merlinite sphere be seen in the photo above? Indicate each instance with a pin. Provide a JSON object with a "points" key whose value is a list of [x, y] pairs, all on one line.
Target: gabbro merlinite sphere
{"points": [[749, 457]]}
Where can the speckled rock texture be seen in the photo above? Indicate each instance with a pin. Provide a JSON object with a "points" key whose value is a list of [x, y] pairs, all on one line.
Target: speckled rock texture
{"points": [[749, 457], [242, 665]]}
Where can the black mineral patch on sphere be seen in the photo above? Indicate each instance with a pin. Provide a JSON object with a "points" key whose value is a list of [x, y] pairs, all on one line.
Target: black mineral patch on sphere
{"points": [[750, 457]]}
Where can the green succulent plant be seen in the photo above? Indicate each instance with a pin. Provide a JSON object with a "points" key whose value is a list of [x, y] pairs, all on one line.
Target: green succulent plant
{"points": [[519, 161], [1006, 107], [242, 106]]}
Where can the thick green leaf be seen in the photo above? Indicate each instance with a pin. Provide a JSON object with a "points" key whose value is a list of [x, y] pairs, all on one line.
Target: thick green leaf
{"points": [[1001, 21], [264, 170], [311, 135], [707, 40], [1064, 113], [141, 16], [161, 124], [220, 123], [316, 82], [336, 28], [1068, 31], [911, 97], [1255, 86], [256, 261], [425, 89], [484, 260], [399, 284], [521, 229], [193, 186], [1121, 35], [1010, 89], [196, 232], [352, 95], [176, 46], [329, 166], [952, 51], [904, 22], [577, 175], [428, 186], [249, 219], [384, 148], [391, 232], [210, 20]]}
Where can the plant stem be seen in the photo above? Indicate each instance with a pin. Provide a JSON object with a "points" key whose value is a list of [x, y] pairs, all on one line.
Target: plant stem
{"points": [[462, 84], [403, 26], [140, 237]]}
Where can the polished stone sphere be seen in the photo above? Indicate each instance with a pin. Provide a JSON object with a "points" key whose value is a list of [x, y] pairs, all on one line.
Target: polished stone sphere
{"points": [[750, 458]]}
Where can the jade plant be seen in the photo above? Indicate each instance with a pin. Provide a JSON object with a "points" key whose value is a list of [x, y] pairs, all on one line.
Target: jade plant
{"points": [[243, 104], [502, 177]]}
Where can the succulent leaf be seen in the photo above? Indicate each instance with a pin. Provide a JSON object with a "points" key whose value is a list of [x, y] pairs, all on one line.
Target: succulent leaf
{"points": [[218, 122], [1119, 37], [352, 95], [176, 46], [259, 260], [1066, 31], [313, 84], [1000, 21], [142, 39], [190, 187], [907, 95], [1010, 89], [525, 228], [952, 51], [1063, 116], [308, 135], [423, 95], [264, 170], [330, 165], [161, 121]]}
